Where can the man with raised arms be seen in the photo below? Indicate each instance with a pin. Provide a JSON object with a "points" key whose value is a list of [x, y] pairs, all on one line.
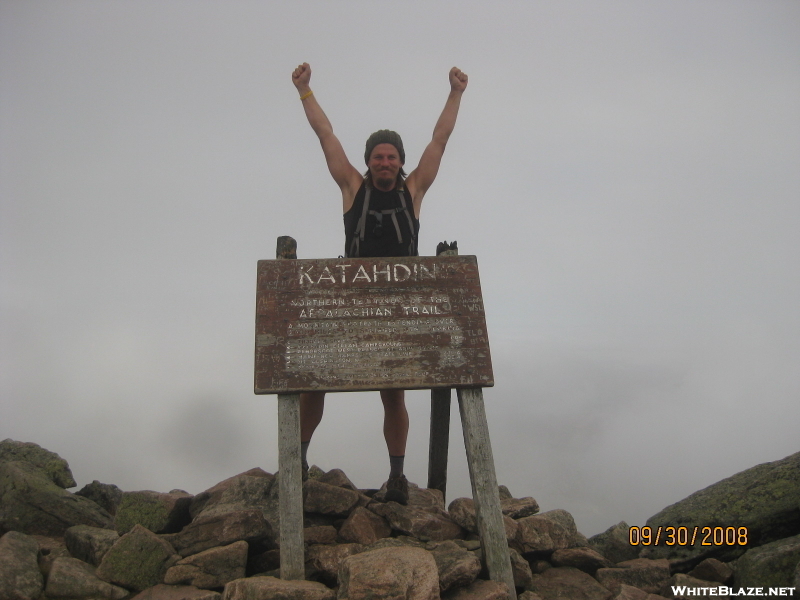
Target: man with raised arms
{"points": [[381, 218]]}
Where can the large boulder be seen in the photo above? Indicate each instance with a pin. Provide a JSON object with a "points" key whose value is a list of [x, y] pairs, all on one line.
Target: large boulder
{"points": [[400, 572], [770, 565], [364, 527], [271, 588], [212, 568], [585, 559], [89, 544], [420, 523], [244, 491], [323, 561], [325, 499], [647, 575], [73, 578], [480, 589], [614, 543], [160, 513], [106, 495], [176, 592], [568, 582], [463, 512], [547, 532], [20, 578], [33, 504], [518, 508], [457, 567], [764, 499], [49, 463], [138, 560], [208, 531]]}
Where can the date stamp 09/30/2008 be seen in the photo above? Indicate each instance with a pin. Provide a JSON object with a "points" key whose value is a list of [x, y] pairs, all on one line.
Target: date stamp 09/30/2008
{"points": [[687, 536]]}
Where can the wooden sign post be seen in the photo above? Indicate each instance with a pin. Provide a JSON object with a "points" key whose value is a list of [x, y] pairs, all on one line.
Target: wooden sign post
{"points": [[353, 324]]}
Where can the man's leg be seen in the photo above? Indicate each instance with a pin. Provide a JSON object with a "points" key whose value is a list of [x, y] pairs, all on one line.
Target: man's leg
{"points": [[312, 405], [395, 430]]}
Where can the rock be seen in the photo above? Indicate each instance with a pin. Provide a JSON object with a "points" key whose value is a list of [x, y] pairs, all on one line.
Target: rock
{"points": [[547, 532], [160, 513], [244, 491], [457, 567], [770, 565], [259, 564], [528, 595], [176, 592], [33, 504], [89, 544], [628, 592], [323, 562], [404, 573], [647, 575], [425, 498], [320, 534], [336, 477], [417, 522], [480, 589], [138, 560], [49, 463], [462, 511], [208, 531], [762, 498], [50, 548], [364, 527], [272, 588], [614, 543], [568, 582], [520, 569], [585, 559], [681, 580], [517, 508], [20, 578], [539, 566], [328, 499], [73, 578], [107, 496], [211, 568], [712, 570], [397, 542]]}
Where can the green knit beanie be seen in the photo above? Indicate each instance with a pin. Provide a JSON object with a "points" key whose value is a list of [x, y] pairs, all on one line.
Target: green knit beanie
{"points": [[385, 136]]}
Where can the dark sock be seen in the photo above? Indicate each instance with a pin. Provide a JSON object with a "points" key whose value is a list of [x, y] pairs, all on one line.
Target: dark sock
{"points": [[304, 451], [396, 465]]}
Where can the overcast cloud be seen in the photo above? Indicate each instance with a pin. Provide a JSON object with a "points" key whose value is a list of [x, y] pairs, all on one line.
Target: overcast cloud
{"points": [[627, 173]]}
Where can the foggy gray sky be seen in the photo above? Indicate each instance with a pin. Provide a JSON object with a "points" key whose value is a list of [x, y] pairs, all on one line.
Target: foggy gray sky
{"points": [[627, 173]]}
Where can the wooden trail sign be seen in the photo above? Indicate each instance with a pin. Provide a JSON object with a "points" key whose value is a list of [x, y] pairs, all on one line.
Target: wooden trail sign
{"points": [[378, 323], [370, 323]]}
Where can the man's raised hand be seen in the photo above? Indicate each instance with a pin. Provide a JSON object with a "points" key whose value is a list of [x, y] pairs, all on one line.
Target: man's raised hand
{"points": [[301, 77], [458, 80]]}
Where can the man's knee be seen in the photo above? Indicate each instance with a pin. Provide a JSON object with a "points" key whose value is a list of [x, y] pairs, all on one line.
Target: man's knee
{"points": [[393, 397]]}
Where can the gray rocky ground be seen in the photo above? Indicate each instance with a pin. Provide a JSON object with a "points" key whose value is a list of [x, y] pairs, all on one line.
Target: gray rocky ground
{"points": [[223, 543]]}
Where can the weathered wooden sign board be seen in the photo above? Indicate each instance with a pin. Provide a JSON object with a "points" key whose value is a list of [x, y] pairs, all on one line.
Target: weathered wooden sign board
{"points": [[370, 323]]}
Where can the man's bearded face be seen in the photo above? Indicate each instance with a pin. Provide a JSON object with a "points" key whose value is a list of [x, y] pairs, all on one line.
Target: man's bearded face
{"points": [[384, 166]]}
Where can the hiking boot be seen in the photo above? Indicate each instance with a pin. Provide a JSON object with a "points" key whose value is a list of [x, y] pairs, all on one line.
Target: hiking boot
{"points": [[397, 490]]}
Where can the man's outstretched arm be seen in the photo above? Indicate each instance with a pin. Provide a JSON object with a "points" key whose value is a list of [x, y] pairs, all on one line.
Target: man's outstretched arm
{"points": [[421, 178], [344, 174]]}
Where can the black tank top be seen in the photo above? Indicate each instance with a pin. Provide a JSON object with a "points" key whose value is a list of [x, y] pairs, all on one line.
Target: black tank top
{"points": [[390, 229]]}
